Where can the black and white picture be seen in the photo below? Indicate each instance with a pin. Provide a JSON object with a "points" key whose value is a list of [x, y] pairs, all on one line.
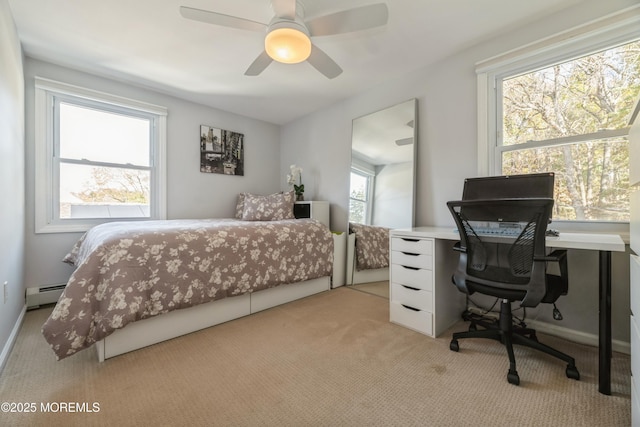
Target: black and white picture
{"points": [[221, 151]]}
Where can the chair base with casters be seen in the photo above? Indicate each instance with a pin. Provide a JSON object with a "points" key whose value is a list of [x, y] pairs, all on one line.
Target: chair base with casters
{"points": [[504, 331]]}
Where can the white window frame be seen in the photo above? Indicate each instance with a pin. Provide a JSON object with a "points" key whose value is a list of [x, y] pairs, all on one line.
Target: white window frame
{"points": [[46, 168], [605, 33], [365, 171]]}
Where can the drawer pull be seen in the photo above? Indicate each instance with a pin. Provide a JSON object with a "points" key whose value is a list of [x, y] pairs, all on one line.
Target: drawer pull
{"points": [[410, 240], [410, 308], [409, 253], [409, 268], [409, 287]]}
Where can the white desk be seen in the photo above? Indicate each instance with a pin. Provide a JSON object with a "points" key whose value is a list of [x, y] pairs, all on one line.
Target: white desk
{"points": [[603, 243]]}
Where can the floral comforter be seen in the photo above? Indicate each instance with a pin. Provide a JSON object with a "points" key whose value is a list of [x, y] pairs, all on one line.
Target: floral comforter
{"points": [[127, 271], [372, 246]]}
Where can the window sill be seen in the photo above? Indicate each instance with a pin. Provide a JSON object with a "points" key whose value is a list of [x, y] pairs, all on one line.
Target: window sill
{"points": [[79, 227]]}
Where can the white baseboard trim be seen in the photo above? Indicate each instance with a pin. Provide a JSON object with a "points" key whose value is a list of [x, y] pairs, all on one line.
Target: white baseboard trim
{"points": [[577, 336], [6, 351], [566, 333]]}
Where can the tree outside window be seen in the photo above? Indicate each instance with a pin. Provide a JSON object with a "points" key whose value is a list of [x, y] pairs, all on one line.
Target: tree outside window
{"points": [[573, 119], [359, 198]]}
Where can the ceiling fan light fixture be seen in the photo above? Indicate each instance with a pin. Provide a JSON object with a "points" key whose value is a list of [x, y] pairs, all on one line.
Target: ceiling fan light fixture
{"points": [[288, 44]]}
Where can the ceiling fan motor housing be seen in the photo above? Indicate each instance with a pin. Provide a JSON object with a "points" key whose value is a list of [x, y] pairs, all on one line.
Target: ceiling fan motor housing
{"points": [[287, 41]]}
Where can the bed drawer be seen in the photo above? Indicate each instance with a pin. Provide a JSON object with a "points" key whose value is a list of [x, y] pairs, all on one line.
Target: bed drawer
{"points": [[412, 260], [412, 276], [418, 320], [412, 297], [414, 246]]}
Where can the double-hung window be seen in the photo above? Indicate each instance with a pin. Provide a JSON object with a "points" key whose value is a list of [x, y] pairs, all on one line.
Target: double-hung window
{"points": [[567, 109], [360, 208], [98, 158]]}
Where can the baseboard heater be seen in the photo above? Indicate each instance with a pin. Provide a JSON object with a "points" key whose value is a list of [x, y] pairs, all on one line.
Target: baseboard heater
{"points": [[43, 295]]}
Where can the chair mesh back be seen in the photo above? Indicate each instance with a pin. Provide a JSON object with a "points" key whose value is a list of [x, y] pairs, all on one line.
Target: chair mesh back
{"points": [[495, 263], [521, 252], [484, 257], [477, 251]]}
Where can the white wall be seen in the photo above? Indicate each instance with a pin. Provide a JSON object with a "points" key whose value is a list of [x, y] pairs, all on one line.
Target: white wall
{"points": [[190, 193], [393, 199], [12, 180], [447, 152]]}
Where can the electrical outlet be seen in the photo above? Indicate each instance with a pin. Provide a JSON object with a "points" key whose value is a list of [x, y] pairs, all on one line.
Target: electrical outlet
{"points": [[5, 291]]}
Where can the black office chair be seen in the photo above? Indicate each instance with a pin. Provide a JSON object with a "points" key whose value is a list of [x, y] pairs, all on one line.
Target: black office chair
{"points": [[512, 269]]}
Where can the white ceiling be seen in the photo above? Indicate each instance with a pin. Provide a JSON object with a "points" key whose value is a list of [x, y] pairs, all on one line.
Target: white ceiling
{"points": [[148, 42]]}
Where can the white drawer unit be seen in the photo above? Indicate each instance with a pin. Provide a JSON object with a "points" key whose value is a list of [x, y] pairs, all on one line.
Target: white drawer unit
{"points": [[422, 296], [412, 245], [634, 291], [419, 278], [412, 260], [409, 317], [635, 345], [412, 297], [634, 265], [635, 404]]}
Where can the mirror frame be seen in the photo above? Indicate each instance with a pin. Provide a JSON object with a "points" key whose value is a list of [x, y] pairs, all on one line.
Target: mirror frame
{"points": [[414, 153], [405, 118]]}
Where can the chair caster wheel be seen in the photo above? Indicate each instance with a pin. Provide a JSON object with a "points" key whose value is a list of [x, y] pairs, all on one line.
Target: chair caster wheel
{"points": [[572, 373], [513, 378], [453, 346]]}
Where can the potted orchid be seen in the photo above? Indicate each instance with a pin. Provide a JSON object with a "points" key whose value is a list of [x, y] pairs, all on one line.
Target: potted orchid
{"points": [[295, 178]]}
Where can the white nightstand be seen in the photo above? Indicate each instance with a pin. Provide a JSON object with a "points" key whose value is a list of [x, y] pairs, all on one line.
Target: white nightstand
{"points": [[312, 209]]}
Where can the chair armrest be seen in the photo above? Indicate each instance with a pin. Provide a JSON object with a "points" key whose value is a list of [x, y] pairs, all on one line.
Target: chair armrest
{"points": [[559, 255], [459, 248]]}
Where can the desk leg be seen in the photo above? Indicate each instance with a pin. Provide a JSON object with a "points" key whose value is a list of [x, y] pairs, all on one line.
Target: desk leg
{"points": [[605, 349]]}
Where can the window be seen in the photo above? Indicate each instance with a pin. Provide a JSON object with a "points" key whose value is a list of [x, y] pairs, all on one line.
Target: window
{"points": [[98, 158], [572, 118], [566, 110], [360, 197]]}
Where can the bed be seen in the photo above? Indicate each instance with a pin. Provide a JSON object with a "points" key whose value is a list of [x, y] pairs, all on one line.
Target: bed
{"points": [[367, 254], [140, 283]]}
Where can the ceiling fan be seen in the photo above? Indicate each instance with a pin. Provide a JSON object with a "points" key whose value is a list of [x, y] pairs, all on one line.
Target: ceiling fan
{"points": [[288, 36]]}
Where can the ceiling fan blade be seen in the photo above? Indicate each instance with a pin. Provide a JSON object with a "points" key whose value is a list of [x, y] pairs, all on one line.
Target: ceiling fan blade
{"points": [[284, 8], [220, 19], [259, 64], [357, 19], [323, 63]]}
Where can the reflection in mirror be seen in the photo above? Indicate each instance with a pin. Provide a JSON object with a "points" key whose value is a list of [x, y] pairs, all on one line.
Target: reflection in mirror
{"points": [[382, 188]]}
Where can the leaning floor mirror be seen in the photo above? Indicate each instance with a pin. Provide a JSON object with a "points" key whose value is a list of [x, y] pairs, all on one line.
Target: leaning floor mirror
{"points": [[382, 191]]}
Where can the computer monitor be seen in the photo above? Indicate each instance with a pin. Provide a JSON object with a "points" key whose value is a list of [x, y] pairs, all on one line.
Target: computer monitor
{"points": [[535, 185]]}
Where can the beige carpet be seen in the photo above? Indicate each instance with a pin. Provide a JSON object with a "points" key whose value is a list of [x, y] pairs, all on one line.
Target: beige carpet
{"points": [[332, 359], [376, 288]]}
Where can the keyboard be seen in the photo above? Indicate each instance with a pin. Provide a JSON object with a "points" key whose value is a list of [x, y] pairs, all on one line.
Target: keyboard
{"points": [[509, 231], [498, 231]]}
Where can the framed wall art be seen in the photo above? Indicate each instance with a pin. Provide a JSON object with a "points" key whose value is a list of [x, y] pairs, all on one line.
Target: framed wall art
{"points": [[221, 151]]}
